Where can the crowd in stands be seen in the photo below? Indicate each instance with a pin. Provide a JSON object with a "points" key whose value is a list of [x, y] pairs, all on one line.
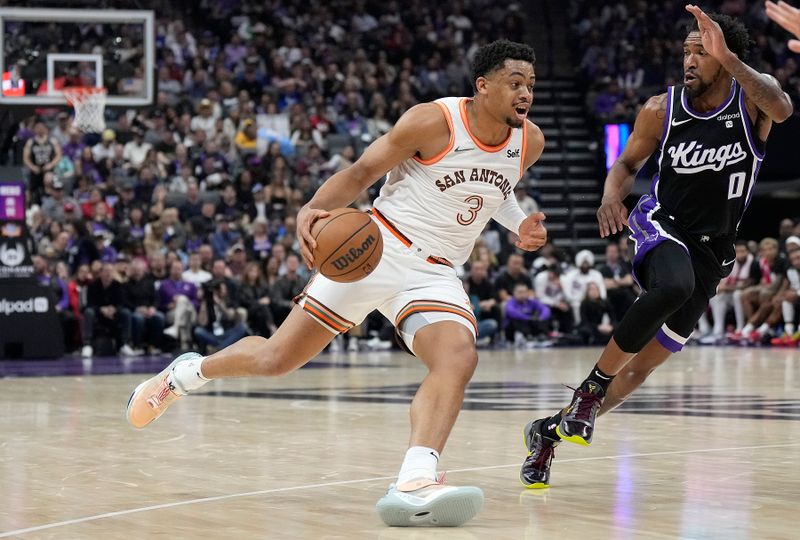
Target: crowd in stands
{"points": [[175, 227], [629, 50], [760, 296], [176, 224]]}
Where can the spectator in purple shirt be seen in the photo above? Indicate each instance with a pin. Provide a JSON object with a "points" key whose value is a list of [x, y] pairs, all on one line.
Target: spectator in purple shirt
{"points": [[526, 317], [74, 146], [179, 300], [86, 166]]}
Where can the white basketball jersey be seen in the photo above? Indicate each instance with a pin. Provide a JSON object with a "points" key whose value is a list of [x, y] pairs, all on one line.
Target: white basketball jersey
{"points": [[443, 203]]}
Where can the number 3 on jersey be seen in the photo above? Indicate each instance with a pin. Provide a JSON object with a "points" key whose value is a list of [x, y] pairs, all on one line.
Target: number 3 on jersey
{"points": [[475, 204]]}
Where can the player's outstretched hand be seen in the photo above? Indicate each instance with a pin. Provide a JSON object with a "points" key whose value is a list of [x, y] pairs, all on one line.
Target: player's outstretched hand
{"points": [[789, 18], [612, 216], [532, 233], [305, 220]]}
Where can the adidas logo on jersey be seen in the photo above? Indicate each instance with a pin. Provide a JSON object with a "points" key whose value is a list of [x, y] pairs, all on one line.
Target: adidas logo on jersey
{"points": [[691, 157]]}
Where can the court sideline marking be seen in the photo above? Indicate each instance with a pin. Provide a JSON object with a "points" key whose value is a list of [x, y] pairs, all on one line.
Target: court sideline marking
{"points": [[361, 481]]}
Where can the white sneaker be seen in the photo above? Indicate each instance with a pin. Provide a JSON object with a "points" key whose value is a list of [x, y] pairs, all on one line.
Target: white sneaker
{"points": [[150, 399], [126, 350], [87, 351], [171, 331], [429, 503]]}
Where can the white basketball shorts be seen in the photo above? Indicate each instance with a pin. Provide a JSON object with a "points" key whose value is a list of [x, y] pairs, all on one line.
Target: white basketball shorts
{"points": [[410, 289]]}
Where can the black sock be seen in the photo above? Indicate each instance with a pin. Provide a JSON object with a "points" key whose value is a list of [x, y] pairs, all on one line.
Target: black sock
{"points": [[601, 379], [548, 427]]}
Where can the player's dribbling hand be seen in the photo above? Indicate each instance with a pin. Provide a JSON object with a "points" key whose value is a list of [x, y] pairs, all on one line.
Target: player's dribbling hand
{"points": [[789, 18], [532, 233], [305, 220], [612, 216], [710, 33]]}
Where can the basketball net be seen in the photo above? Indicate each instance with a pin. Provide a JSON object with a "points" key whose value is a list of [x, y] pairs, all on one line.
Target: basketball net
{"points": [[89, 104]]}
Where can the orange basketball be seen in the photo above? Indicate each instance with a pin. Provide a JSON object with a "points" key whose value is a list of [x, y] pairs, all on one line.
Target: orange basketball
{"points": [[349, 245]]}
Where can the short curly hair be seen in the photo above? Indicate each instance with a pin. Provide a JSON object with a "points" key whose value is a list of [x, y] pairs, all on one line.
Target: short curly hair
{"points": [[493, 56], [736, 36]]}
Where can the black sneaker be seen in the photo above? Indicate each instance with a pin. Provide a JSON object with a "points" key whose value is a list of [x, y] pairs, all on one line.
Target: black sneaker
{"points": [[535, 473], [577, 421]]}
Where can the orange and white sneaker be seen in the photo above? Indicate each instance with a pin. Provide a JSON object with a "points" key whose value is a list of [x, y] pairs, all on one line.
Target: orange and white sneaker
{"points": [[429, 503], [151, 398]]}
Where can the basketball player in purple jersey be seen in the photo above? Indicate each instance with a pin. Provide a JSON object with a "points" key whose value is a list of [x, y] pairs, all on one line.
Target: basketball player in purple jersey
{"points": [[711, 134]]}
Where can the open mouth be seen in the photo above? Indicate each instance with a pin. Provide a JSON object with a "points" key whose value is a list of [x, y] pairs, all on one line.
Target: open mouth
{"points": [[522, 111], [688, 78]]}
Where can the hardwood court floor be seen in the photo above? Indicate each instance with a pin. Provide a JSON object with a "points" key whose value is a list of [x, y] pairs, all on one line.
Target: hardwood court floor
{"points": [[710, 448]]}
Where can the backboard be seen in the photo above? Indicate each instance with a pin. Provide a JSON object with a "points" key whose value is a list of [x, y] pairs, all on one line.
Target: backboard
{"points": [[43, 51]]}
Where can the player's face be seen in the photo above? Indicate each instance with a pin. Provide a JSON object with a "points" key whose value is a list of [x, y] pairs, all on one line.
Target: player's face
{"points": [[509, 92], [700, 69]]}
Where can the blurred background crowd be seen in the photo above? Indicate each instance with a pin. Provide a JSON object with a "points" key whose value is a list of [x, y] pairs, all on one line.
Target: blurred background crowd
{"points": [[643, 58], [175, 226]]}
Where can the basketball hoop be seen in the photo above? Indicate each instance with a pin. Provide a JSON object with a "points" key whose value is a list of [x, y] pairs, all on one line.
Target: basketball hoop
{"points": [[89, 103]]}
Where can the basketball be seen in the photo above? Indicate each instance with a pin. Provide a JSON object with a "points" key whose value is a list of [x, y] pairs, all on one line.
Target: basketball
{"points": [[349, 245]]}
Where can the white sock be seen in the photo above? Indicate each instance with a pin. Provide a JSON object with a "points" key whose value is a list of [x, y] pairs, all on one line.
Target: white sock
{"points": [[747, 329], [787, 309], [188, 375], [420, 462], [763, 329]]}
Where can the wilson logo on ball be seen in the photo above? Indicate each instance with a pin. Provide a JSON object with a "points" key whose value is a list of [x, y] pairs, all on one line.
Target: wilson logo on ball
{"points": [[353, 254], [349, 245]]}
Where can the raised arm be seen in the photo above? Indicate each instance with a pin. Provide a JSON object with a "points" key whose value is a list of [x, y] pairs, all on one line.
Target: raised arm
{"points": [[421, 131], [612, 216], [761, 89]]}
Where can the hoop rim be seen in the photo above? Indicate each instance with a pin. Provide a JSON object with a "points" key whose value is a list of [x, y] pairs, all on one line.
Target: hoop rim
{"points": [[76, 93]]}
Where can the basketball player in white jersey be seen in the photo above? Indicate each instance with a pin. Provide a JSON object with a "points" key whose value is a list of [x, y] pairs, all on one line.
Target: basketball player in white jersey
{"points": [[452, 166]]}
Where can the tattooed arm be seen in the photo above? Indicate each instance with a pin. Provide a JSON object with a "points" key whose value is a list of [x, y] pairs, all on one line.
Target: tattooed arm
{"points": [[761, 89]]}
